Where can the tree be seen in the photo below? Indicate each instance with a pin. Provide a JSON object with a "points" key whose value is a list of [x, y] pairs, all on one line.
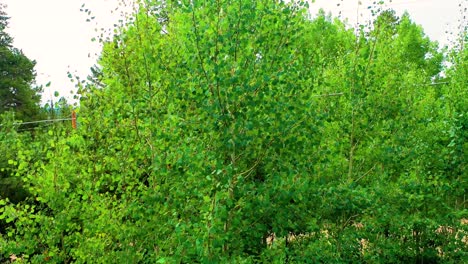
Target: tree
{"points": [[398, 63], [241, 131], [17, 76], [18, 101], [5, 39]]}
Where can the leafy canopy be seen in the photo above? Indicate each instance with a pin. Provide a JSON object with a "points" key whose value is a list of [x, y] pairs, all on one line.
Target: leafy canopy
{"points": [[242, 131]]}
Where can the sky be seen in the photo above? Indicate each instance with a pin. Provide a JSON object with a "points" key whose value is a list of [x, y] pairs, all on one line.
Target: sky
{"points": [[57, 36]]}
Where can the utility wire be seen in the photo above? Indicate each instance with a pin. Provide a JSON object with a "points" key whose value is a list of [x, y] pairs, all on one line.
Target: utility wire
{"points": [[43, 121], [40, 121]]}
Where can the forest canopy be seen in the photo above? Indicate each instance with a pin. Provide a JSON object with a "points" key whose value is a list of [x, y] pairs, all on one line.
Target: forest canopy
{"points": [[232, 131]]}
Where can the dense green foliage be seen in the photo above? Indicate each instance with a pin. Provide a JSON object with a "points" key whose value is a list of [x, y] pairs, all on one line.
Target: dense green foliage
{"points": [[19, 101], [242, 131]]}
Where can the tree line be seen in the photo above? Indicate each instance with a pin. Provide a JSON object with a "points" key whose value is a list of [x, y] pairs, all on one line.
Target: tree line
{"points": [[247, 132]]}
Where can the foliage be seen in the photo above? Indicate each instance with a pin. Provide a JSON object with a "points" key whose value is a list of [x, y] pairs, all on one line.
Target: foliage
{"points": [[242, 131], [10, 139], [18, 101]]}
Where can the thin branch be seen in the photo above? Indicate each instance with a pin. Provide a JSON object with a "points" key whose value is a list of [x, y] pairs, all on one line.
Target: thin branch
{"points": [[197, 41], [238, 30], [327, 95], [431, 84], [218, 90], [364, 175]]}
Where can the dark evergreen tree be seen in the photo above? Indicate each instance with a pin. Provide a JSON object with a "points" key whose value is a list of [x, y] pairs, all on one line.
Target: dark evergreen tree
{"points": [[17, 91], [5, 39]]}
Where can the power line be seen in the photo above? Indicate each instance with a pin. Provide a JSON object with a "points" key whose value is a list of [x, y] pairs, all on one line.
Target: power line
{"points": [[41, 121]]}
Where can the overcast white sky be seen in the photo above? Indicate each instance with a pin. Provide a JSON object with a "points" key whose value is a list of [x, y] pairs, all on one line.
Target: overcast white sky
{"points": [[55, 32]]}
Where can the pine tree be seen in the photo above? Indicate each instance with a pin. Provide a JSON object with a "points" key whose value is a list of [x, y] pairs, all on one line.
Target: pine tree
{"points": [[17, 75]]}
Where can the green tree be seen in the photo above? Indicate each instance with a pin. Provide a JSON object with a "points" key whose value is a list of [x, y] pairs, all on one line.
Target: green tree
{"points": [[398, 63], [5, 39], [18, 101], [212, 127], [17, 76], [10, 186]]}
